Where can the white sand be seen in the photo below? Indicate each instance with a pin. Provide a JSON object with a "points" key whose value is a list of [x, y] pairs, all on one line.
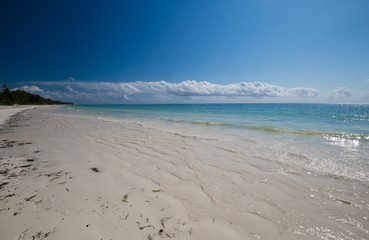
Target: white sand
{"points": [[7, 111], [160, 184]]}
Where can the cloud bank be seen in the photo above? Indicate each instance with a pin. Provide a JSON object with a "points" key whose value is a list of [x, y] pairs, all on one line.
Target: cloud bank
{"points": [[162, 91], [340, 92], [31, 89]]}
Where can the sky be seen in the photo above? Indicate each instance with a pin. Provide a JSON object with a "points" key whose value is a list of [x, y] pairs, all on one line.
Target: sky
{"points": [[187, 51]]}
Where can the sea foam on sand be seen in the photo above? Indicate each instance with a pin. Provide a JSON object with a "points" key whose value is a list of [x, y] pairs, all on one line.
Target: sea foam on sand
{"points": [[83, 177]]}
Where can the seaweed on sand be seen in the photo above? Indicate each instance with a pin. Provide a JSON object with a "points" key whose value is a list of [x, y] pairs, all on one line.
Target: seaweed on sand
{"points": [[29, 198], [125, 198]]}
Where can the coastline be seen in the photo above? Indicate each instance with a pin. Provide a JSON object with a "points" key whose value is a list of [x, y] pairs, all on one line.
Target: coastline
{"points": [[84, 177]]}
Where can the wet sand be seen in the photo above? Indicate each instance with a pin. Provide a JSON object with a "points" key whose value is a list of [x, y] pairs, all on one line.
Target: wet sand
{"points": [[79, 177], [7, 111]]}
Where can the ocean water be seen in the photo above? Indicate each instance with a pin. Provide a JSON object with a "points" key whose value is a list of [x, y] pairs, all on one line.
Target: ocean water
{"points": [[329, 139]]}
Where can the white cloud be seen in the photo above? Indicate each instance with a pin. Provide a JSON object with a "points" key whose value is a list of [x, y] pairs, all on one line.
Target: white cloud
{"points": [[340, 92], [243, 89], [31, 89], [190, 88], [70, 89]]}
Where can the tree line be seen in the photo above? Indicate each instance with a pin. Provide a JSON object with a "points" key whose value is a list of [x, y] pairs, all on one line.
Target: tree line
{"points": [[11, 97]]}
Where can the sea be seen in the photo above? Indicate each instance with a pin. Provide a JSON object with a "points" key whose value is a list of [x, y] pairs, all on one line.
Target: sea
{"points": [[328, 139]]}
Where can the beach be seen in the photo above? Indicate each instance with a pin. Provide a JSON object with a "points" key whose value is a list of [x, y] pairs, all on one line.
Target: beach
{"points": [[8, 111], [74, 176]]}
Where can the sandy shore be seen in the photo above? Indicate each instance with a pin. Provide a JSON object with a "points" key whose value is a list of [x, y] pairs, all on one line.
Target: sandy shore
{"points": [[78, 177], [7, 111]]}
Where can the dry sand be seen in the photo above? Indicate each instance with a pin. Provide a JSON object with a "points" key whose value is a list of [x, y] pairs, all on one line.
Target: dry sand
{"points": [[79, 177]]}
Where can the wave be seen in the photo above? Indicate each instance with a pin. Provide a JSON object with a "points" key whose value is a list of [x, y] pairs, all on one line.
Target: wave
{"points": [[276, 130], [198, 122], [312, 133]]}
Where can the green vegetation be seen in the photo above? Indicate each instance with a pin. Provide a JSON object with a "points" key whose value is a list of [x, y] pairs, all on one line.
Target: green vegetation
{"points": [[9, 97]]}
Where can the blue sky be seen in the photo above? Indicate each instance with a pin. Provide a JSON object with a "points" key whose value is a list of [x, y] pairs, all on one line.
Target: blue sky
{"points": [[167, 51]]}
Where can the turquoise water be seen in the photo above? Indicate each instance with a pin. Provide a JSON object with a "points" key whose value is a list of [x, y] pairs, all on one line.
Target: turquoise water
{"points": [[332, 138], [346, 121]]}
